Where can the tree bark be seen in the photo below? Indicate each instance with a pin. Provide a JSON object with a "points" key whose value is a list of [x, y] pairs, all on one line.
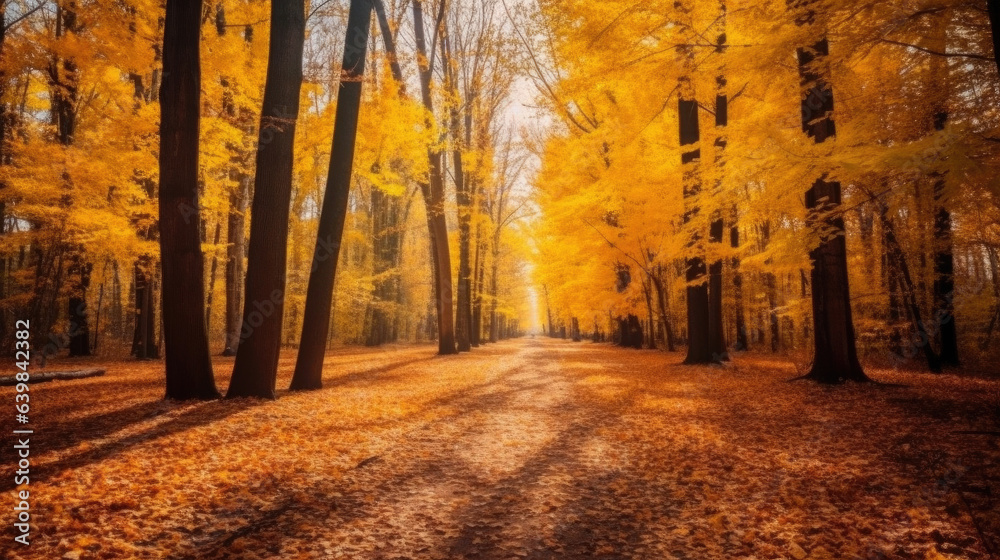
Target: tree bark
{"points": [[944, 266], [835, 358], [993, 9], [188, 365], [742, 344], [463, 198], [235, 256], [716, 329], [898, 259], [319, 295], [663, 302], [699, 347], [434, 197], [256, 369]]}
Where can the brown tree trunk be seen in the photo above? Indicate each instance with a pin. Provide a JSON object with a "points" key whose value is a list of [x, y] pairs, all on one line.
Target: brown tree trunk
{"points": [[235, 256], [898, 259], [835, 358], [434, 197], [742, 343], [188, 365], [699, 347], [63, 78], [663, 302], [716, 329], [256, 368], [944, 267], [239, 199], [463, 300], [319, 295], [387, 231]]}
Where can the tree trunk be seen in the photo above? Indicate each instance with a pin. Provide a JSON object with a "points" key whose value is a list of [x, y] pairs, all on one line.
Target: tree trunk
{"points": [[898, 259], [771, 285], [835, 358], [663, 302], [463, 303], [944, 267], [434, 198], [188, 365], [319, 295], [63, 78], [479, 272], [716, 329], [235, 256], [699, 347], [386, 232], [212, 273], [742, 344], [993, 9], [143, 339]]}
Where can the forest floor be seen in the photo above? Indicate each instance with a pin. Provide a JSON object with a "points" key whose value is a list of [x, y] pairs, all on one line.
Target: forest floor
{"points": [[531, 448]]}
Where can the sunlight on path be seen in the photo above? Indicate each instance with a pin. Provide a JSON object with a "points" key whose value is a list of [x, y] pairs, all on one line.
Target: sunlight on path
{"points": [[533, 448]]}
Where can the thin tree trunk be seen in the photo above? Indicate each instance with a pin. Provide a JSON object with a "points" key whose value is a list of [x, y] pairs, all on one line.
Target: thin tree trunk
{"points": [[662, 298], [909, 294], [235, 257], [463, 302], [716, 329], [319, 295], [742, 343], [212, 270], [434, 196], [188, 365]]}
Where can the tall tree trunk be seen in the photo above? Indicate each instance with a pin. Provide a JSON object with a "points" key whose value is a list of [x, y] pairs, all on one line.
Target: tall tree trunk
{"points": [[742, 343], [144, 335], [699, 347], [386, 233], [836, 358], [944, 260], [189, 367], [256, 369], [212, 273], [662, 299], [898, 259], [463, 300], [319, 294], [235, 256], [63, 78], [716, 329], [239, 199], [478, 272], [434, 195]]}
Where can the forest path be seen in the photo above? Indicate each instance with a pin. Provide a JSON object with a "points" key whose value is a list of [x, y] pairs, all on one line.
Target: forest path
{"points": [[531, 448], [589, 451]]}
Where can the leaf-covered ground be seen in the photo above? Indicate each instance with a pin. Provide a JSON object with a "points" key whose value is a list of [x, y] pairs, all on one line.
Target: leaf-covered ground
{"points": [[533, 448]]}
